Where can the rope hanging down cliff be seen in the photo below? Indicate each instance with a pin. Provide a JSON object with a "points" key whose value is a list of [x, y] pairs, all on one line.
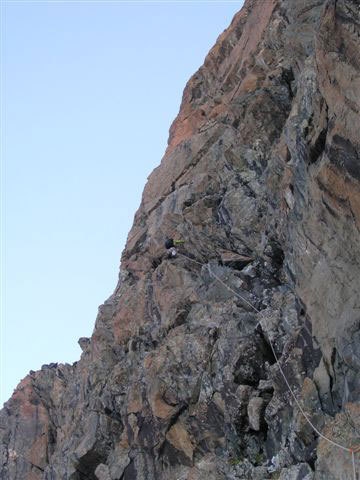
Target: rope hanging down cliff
{"points": [[351, 450]]}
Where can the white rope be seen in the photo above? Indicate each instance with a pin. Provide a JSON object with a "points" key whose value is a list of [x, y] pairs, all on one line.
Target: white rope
{"points": [[336, 444], [280, 368], [353, 463], [233, 291]]}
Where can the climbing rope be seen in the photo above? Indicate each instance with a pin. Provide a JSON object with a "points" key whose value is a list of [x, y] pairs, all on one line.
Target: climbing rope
{"points": [[352, 451], [353, 463]]}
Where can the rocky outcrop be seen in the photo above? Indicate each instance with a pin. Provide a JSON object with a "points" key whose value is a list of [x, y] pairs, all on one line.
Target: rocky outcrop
{"points": [[261, 178]]}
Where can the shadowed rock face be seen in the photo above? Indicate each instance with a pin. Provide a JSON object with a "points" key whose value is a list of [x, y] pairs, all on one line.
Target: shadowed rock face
{"points": [[261, 178]]}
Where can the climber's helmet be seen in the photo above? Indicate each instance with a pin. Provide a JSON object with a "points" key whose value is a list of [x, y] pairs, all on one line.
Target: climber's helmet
{"points": [[169, 243]]}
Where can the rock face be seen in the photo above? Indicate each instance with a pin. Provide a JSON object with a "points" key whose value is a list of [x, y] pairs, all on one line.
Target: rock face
{"points": [[261, 178]]}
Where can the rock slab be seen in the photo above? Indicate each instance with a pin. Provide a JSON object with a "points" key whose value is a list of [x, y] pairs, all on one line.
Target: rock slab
{"points": [[181, 377]]}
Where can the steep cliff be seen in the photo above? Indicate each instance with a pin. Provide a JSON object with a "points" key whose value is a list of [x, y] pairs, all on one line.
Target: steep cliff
{"points": [[183, 377]]}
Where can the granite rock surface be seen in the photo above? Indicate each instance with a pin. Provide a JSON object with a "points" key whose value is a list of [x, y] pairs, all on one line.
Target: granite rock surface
{"points": [[181, 378]]}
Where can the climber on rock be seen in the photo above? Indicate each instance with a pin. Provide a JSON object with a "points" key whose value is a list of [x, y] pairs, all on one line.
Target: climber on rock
{"points": [[170, 246]]}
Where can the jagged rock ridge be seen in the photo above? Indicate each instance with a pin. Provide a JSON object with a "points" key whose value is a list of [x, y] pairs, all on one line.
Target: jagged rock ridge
{"points": [[261, 178]]}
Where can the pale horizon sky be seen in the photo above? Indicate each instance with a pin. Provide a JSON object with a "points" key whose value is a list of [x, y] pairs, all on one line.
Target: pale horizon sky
{"points": [[89, 91]]}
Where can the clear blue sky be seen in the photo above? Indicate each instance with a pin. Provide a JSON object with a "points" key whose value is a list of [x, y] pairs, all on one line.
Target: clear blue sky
{"points": [[89, 90]]}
